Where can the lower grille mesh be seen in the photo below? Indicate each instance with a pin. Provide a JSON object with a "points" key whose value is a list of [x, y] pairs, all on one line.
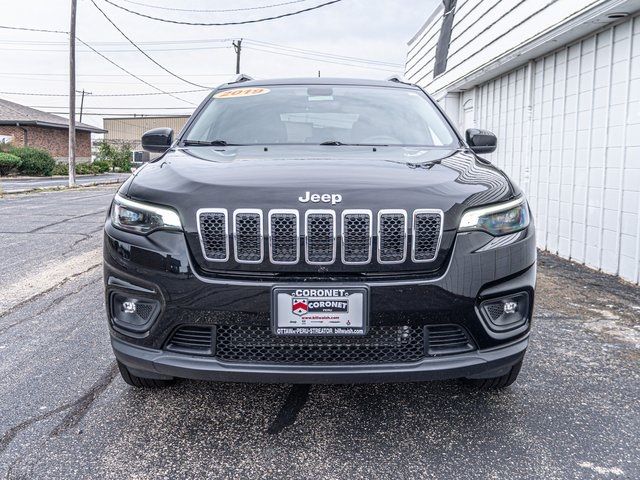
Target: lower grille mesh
{"points": [[256, 344], [193, 340], [447, 339], [382, 344]]}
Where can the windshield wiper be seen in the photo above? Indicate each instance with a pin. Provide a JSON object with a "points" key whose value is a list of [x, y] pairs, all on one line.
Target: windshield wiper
{"points": [[338, 144], [211, 143]]}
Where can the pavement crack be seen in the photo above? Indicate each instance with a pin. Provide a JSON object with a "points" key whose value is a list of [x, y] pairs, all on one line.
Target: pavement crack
{"points": [[79, 408], [40, 294], [296, 399], [82, 405], [68, 219]]}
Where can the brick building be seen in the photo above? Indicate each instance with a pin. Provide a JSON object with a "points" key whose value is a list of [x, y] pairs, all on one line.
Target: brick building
{"points": [[25, 126]]}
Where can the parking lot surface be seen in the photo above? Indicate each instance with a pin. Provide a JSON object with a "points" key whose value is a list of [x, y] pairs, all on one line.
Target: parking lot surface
{"points": [[65, 412]]}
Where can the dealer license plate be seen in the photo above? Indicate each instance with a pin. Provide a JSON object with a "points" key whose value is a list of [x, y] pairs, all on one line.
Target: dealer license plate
{"points": [[319, 310]]}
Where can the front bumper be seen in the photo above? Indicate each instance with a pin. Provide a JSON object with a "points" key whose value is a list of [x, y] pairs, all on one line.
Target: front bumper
{"points": [[161, 364], [158, 266]]}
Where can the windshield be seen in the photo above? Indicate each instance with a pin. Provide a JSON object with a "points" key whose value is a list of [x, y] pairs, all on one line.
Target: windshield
{"points": [[314, 115]]}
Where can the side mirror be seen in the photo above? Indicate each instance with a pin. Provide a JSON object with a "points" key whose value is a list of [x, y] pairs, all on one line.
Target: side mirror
{"points": [[157, 140], [481, 141]]}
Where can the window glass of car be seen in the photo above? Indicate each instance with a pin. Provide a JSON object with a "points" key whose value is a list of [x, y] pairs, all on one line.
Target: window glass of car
{"points": [[317, 114]]}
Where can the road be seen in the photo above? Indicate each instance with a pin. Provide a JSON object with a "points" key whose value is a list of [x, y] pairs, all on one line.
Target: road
{"points": [[574, 412], [21, 185]]}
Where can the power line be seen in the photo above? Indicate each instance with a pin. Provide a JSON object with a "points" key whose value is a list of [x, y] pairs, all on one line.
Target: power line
{"points": [[6, 27], [320, 59], [107, 58], [112, 74], [33, 94], [118, 108], [45, 50], [220, 24], [195, 10], [324, 54], [142, 51], [105, 43], [132, 74], [120, 114]]}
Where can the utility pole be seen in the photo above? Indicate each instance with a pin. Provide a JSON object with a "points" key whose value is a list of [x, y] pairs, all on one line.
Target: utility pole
{"points": [[237, 46], [72, 95], [82, 103]]}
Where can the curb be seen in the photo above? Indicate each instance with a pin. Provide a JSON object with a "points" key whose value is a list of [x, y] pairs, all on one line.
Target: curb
{"points": [[59, 177], [59, 188]]}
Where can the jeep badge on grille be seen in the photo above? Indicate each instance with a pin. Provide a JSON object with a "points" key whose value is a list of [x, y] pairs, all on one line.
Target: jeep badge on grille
{"points": [[325, 197]]}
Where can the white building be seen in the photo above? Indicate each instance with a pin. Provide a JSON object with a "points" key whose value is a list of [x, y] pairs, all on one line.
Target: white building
{"points": [[559, 83]]}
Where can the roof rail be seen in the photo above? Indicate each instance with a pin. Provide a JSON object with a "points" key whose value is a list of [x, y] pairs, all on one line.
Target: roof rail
{"points": [[242, 78]]}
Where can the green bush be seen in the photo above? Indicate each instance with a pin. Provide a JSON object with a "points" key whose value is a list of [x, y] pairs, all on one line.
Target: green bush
{"points": [[61, 169], [87, 169], [8, 162], [118, 158], [34, 161], [102, 166]]}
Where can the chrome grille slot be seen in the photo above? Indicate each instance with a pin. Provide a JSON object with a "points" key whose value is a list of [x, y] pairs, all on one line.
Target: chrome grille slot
{"points": [[392, 236], [320, 237], [285, 231], [356, 236], [427, 232], [214, 234], [284, 236], [248, 236]]}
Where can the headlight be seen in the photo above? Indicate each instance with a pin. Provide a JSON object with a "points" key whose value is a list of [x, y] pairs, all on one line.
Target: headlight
{"points": [[499, 219], [142, 218]]}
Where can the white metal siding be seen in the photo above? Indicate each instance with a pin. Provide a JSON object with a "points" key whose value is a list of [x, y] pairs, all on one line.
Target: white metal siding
{"points": [[576, 150], [485, 30]]}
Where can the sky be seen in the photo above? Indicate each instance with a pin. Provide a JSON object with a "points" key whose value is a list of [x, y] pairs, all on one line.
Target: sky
{"points": [[375, 32]]}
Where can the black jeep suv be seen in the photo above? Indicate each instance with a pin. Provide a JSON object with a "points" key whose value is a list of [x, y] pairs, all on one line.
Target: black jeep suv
{"points": [[319, 230]]}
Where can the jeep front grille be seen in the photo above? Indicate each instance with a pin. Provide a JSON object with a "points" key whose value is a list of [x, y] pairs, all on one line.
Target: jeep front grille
{"points": [[320, 237], [247, 236], [284, 233], [392, 236], [427, 231], [214, 234], [316, 232], [356, 236]]}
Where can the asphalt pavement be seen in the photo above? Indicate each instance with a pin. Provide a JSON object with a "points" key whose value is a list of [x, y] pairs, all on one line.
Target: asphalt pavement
{"points": [[13, 185], [65, 412]]}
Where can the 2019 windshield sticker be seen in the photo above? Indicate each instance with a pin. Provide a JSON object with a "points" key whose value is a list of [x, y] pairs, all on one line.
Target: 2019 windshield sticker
{"points": [[241, 92]]}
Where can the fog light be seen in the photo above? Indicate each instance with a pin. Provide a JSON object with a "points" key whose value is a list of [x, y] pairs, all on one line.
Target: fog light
{"points": [[129, 307], [133, 314], [510, 307], [506, 313]]}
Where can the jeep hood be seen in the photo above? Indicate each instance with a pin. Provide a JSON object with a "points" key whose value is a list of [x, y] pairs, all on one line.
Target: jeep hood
{"points": [[274, 177]]}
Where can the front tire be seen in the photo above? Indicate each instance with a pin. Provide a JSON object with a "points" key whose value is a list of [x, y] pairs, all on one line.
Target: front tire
{"points": [[141, 382], [495, 383]]}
